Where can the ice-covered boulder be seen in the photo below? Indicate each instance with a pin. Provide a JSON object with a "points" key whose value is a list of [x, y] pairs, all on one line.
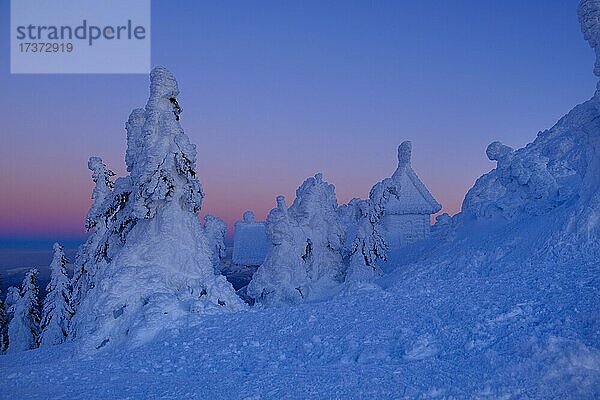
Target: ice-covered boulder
{"points": [[250, 244], [155, 256], [305, 261]]}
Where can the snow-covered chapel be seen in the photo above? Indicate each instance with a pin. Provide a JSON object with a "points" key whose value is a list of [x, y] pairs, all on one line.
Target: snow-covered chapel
{"points": [[406, 201]]}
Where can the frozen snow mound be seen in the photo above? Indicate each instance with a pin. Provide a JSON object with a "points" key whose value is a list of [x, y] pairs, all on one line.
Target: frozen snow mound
{"points": [[304, 262], [250, 244], [558, 173], [151, 256]]}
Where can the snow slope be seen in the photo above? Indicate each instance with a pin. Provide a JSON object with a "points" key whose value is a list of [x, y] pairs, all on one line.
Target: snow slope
{"points": [[453, 335]]}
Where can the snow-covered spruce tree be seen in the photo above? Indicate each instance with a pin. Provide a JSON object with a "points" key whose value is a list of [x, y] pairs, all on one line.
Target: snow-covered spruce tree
{"points": [[368, 245], [91, 254], [24, 327], [305, 260], [282, 276], [156, 260], [13, 294], [3, 324], [57, 310], [215, 230]]}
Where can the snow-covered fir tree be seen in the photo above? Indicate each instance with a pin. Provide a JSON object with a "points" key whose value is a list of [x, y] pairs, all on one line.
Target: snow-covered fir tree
{"points": [[13, 294], [215, 230], [368, 245], [91, 255], [3, 324], [305, 261], [57, 309], [152, 260], [24, 327]]}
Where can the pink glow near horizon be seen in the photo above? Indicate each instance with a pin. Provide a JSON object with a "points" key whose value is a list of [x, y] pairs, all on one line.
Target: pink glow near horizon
{"points": [[41, 211]]}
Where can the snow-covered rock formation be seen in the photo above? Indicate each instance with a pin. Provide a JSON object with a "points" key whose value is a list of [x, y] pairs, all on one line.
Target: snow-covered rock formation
{"points": [[154, 258], [406, 202], [305, 261], [250, 244], [558, 173], [57, 309]]}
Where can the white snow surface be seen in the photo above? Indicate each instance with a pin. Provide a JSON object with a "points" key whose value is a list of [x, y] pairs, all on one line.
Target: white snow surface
{"points": [[500, 302]]}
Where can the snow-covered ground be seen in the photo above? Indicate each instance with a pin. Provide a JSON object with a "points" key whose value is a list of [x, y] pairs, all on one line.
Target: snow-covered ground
{"points": [[501, 301], [491, 312], [455, 327]]}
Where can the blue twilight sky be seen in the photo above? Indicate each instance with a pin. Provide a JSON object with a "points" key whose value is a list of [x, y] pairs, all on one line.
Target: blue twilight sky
{"points": [[274, 91]]}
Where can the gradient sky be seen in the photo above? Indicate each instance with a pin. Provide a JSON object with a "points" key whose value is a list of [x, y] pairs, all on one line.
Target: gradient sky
{"points": [[273, 92]]}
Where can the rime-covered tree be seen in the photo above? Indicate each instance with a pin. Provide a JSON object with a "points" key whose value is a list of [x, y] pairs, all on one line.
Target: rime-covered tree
{"points": [[13, 294], [92, 253], [368, 245], [305, 260], [589, 18], [152, 260], [3, 324], [215, 230], [24, 327], [57, 310]]}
